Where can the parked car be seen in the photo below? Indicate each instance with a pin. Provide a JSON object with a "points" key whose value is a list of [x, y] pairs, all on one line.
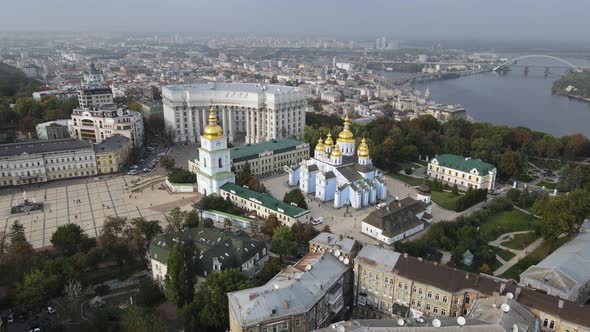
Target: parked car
{"points": [[317, 221]]}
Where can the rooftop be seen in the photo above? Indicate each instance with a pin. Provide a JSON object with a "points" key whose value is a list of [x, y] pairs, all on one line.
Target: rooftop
{"points": [[296, 289], [463, 164], [265, 200], [381, 259], [233, 87], [251, 151], [345, 244], [397, 217], [111, 144], [43, 146]]}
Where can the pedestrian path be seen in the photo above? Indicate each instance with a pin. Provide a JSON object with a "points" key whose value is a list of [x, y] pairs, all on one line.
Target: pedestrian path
{"points": [[518, 254]]}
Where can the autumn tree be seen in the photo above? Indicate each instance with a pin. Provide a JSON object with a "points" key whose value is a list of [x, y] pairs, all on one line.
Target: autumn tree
{"points": [[179, 283]]}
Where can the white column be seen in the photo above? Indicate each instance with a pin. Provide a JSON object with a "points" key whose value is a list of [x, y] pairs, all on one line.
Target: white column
{"points": [[259, 125], [230, 124], [197, 123], [204, 115], [224, 121], [252, 126]]}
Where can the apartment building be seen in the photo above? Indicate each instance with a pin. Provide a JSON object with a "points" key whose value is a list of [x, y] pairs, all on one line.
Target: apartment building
{"points": [[112, 154], [463, 172]]}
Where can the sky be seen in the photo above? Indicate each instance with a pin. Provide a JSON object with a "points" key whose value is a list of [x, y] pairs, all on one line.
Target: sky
{"points": [[554, 20]]}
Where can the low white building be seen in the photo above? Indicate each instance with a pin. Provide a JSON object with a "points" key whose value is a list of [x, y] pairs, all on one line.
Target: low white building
{"points": [[397, 220]]}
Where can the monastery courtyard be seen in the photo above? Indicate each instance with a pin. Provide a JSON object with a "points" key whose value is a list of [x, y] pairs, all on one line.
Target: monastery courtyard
{"points": [[349, 223], [87, 202]]}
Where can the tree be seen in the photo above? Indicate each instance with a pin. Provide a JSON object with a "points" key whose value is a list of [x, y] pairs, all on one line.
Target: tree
{"points": [[295, 196], [180, 279], [112, 239], [227, 223], [563, 214], [191, 219], [68, 239], [179, 175], [175, 219], [303, 232], [209, 309], [326, 229], [35, 289], [283, 241], [208, 222], [138, 319], [74, 290], [455, 190], [138, 233], [570, 178], [167, 162], [149, 294], [270, 224], [269, 270], [512, 164]]}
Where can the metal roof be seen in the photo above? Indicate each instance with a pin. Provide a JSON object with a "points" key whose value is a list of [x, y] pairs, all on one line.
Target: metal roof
{"points": [[328, 239], [265, 200], [251, 151], [43, 146], [463, 164], [234, 87]]}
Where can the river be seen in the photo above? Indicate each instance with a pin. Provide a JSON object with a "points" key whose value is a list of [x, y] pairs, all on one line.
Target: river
{"points": [[514, 99]]}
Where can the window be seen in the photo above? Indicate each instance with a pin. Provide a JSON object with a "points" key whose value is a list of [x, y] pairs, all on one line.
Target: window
{"points": [[467, 299], [435, 310], [418, 304], [420, 291], [552, 325], [413, 289], [297, 322], [428, 307], [545, 322], [444, 299], [429, 294], [399, 285], [443, 312], [437, 297]]}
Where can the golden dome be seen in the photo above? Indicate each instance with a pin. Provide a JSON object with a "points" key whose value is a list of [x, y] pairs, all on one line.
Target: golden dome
{"points": [[346, 136], [213, 130], [336, 152], [363, 151], [320, 146], [329, 141]]}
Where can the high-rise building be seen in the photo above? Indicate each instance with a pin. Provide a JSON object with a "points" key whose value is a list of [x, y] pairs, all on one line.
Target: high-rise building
{"points": [[248, 112], [97, 125], [94, 91]]}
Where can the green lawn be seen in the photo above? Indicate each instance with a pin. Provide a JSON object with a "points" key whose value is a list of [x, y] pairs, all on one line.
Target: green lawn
{"points": [[521, 241], [421, 162], [406, 164], [548, 185], [525, 178], [445, 199], [533, 258], [506, 222], [407, 179], [503, 253]]}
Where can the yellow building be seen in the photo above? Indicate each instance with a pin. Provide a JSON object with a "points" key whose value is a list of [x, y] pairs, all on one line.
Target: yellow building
{"points": [[112, 154]]}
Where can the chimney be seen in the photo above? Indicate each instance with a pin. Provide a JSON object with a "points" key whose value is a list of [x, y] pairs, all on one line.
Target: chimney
{"points": [[286, 304], [420, 259], [502, 288], [405, 255], [467, 275], [517, 293], [560, 304]]}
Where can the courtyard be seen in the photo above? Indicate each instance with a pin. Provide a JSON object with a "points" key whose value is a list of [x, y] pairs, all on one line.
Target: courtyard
{"points": [[87, 202]]}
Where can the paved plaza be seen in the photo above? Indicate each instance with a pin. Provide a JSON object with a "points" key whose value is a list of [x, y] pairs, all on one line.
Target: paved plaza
{"points": [[87, 202], [348, 222]]}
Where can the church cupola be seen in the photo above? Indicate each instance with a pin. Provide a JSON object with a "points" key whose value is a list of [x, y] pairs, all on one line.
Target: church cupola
{"points": [[336, 156], [329, 143], [363, 153], [320, 152], [345, 139], [213, 130]]}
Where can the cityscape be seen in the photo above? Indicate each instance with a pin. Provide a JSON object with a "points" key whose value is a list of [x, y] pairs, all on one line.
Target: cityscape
{"points": [[291, 167]]}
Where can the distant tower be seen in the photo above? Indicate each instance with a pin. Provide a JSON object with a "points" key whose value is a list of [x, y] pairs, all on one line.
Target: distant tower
{"points": [[427, 94], [93, 76], [214, 166], [423, 192]]}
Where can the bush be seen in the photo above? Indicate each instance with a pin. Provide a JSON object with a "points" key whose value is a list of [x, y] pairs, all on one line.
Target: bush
{"points": [[149, 294], [471, 198], [513, 194], [408, 171], [179, 175], [455, 190], [101, 290]]}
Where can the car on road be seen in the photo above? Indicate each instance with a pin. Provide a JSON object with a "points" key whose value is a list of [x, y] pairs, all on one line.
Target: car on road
{"points": [[317, 221], [131, 172], [146, 170], [10, 318]]}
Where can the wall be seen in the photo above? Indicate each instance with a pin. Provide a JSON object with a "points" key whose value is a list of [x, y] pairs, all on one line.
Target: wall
{"points": [[180, 187]]}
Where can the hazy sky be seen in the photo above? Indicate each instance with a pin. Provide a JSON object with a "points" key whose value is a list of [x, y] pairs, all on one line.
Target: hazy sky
{"points": [[402, 19]]}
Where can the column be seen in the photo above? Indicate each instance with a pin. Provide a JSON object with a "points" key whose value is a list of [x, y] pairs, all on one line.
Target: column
{"points": [[224, 121], [259, 125], [247, 124], [204, 115], [252, 126], [230, 124], [197, 115]]}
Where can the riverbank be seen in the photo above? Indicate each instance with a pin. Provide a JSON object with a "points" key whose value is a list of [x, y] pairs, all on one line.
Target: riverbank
{"points": [[573, 96]]}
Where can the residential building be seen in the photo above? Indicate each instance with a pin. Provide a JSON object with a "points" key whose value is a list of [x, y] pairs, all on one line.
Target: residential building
{"points": [[30, 70], [213, 166], [464, 172], [94, 93], [216, 249], [270, 157], [564, 272], [112, 154], [59, 94], [97, 125], [57, 129], [337, 245], [445, 112], [340, 172], [263, 205], [397, 220], [151, 107], [302, 297], [248, 111], [41, 161]]}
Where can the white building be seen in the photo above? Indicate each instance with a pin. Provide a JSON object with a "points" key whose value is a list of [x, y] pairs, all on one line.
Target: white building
{"points": [[565, 272], [340, 173], [248, 111], [42, 161], [56, 129], [94, 92], [99, 124], [464, 172], [213, 166]]}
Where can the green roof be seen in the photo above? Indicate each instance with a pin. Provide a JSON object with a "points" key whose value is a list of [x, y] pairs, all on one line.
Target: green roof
{"points": [[231, 249], [464, 164], [251, 151], [265, 200]]}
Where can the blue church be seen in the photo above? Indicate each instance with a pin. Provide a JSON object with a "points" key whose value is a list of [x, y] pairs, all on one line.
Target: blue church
{"points": [[340, 172]]}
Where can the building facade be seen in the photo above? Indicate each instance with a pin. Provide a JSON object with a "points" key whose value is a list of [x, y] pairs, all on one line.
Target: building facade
{"points": [[303, 297], [340, 172], [50, 130], [97, 125], [270, 157], [248, 112], [263, 205], [464, 172], [42, 161], [337, 245], [112, 154], [94, 92]]}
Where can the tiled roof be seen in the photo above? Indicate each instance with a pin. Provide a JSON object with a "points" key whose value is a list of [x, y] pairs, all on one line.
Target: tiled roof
{"points": [[463, 164], [265, 200], [397, 217]]}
